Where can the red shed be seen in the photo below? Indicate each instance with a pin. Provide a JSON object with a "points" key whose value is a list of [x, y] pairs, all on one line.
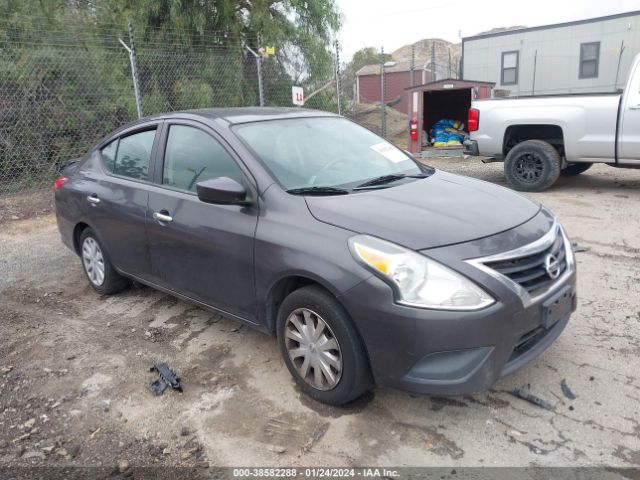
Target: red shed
{"points": [[396, 78], [448, 98]]}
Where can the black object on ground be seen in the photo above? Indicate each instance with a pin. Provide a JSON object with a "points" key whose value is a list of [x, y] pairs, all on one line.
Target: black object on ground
{"points": [[566, 390], [167, 378], [523, 394], [157, 387]]}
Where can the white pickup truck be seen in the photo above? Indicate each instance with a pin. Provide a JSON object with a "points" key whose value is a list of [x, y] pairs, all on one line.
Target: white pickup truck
{"points": [[539, 138]]}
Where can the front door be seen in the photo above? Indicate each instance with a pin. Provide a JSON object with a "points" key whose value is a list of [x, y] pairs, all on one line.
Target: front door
{"points": [[629, 140], [197, 249]]}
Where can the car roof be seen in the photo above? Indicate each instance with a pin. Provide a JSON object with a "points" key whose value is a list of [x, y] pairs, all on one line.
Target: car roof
{"points": [[251, 114], [231, 115]]}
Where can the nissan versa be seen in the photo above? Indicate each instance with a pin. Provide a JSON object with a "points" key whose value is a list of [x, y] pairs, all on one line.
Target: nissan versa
{"points": [[367, 266]]}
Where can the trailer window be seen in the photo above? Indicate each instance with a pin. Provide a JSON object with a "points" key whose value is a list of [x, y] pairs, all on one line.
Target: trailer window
{"points": [[589, 59], [510, 62]]}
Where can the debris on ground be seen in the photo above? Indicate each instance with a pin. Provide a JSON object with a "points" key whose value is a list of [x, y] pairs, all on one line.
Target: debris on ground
{"points": [[566, 390], [167, 378], [157, 387], [524, 394], [579, 248]]}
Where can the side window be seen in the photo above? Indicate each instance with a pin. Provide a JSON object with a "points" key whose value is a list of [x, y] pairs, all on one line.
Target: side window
{"points": [[589, 59], [510, 65], [108, 155], [192, 156], [133, 155]]}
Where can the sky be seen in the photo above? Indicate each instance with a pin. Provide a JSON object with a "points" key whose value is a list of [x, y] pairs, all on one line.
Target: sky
{"points": [[394, 23]]}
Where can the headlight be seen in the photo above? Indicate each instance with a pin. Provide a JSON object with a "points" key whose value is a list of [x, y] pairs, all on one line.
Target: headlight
{"points": [[418, 280]]}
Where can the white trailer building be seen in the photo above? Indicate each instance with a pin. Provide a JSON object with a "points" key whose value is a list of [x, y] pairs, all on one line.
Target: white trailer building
{"points": [[583, 56]]}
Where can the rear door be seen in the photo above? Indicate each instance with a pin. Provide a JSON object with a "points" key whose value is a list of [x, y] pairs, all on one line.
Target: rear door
{"points": [[629, 139], [201, 250], [117, 197]]}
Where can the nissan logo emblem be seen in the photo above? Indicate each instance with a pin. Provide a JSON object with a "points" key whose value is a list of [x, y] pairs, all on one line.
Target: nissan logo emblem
{"points": [[552, 266]]}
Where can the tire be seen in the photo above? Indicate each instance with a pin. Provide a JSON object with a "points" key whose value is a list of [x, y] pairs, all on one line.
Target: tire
{"points": [[95, 259], [576, 169], [310, 306], [532, 166]]}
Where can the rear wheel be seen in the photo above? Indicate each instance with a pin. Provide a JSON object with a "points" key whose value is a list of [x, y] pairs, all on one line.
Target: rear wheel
{"points": [[532, 166], [576, 169], [97, 266], [321, 347]]}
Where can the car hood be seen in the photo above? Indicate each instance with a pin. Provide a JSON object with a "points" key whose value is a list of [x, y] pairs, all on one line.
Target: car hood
{"points": [[439, 210]]}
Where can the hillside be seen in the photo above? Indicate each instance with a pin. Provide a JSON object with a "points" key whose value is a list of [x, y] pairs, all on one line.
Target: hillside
{"points": [[423, 55]]}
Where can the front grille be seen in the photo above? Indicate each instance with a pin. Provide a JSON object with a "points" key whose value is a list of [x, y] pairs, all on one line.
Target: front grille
{"points": [[529, 271]]}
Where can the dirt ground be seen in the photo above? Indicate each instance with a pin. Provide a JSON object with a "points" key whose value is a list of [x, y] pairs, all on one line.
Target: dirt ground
{"points": [[73, 368]]}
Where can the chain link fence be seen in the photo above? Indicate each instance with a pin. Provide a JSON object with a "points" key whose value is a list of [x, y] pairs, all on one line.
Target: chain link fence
{"points": [[63, 89]]}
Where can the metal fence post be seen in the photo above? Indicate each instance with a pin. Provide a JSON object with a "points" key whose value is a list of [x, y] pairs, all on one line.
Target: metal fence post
{"points": [[259, 67], [337, 46], [258, 58], [412, 64], [260, 86], [434, 75], [383, 113], [134, 70]]}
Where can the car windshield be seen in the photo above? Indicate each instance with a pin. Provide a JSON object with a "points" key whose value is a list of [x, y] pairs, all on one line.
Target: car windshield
{"points": [[324, 152]]}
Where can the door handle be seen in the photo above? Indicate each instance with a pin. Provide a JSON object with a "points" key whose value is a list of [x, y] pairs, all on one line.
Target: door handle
{"points": [[635, 107], [93, 199], [162, 216]]}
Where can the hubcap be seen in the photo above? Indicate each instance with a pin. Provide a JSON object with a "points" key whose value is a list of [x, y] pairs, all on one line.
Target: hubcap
{"points": [[93, 261], [529, 168], [313, 349]]}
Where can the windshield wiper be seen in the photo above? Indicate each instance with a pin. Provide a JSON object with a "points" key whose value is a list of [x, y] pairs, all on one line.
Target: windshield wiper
{"points": [[384, 179], [318, 191]]}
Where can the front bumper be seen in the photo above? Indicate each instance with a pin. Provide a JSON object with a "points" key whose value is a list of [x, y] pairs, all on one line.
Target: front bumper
{"points": [[453, 352]]}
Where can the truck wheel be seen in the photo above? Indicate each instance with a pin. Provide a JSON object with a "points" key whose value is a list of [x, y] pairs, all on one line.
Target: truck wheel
{"points": [[532, 166], [576, 169]]}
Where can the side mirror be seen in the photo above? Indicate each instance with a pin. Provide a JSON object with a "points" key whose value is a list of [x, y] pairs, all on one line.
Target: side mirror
{"points": [[222, 191]]}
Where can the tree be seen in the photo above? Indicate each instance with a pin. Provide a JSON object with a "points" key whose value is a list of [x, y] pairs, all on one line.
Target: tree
{"points": [[367, 56], [66, 79], [364, 56]]}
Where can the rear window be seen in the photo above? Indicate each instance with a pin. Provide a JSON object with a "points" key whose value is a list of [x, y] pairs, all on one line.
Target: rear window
{"points": [[134, 152]]}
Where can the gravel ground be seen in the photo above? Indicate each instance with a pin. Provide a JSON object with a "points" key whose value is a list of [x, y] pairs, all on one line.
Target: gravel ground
{"points": [[73, 368]]}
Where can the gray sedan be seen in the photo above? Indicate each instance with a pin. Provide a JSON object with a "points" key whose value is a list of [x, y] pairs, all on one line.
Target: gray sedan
{"points": [[369, 267]]}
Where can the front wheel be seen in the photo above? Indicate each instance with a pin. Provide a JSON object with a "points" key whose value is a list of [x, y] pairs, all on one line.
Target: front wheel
{"points": [[321, 347], [576, 169], [532, 166]]}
